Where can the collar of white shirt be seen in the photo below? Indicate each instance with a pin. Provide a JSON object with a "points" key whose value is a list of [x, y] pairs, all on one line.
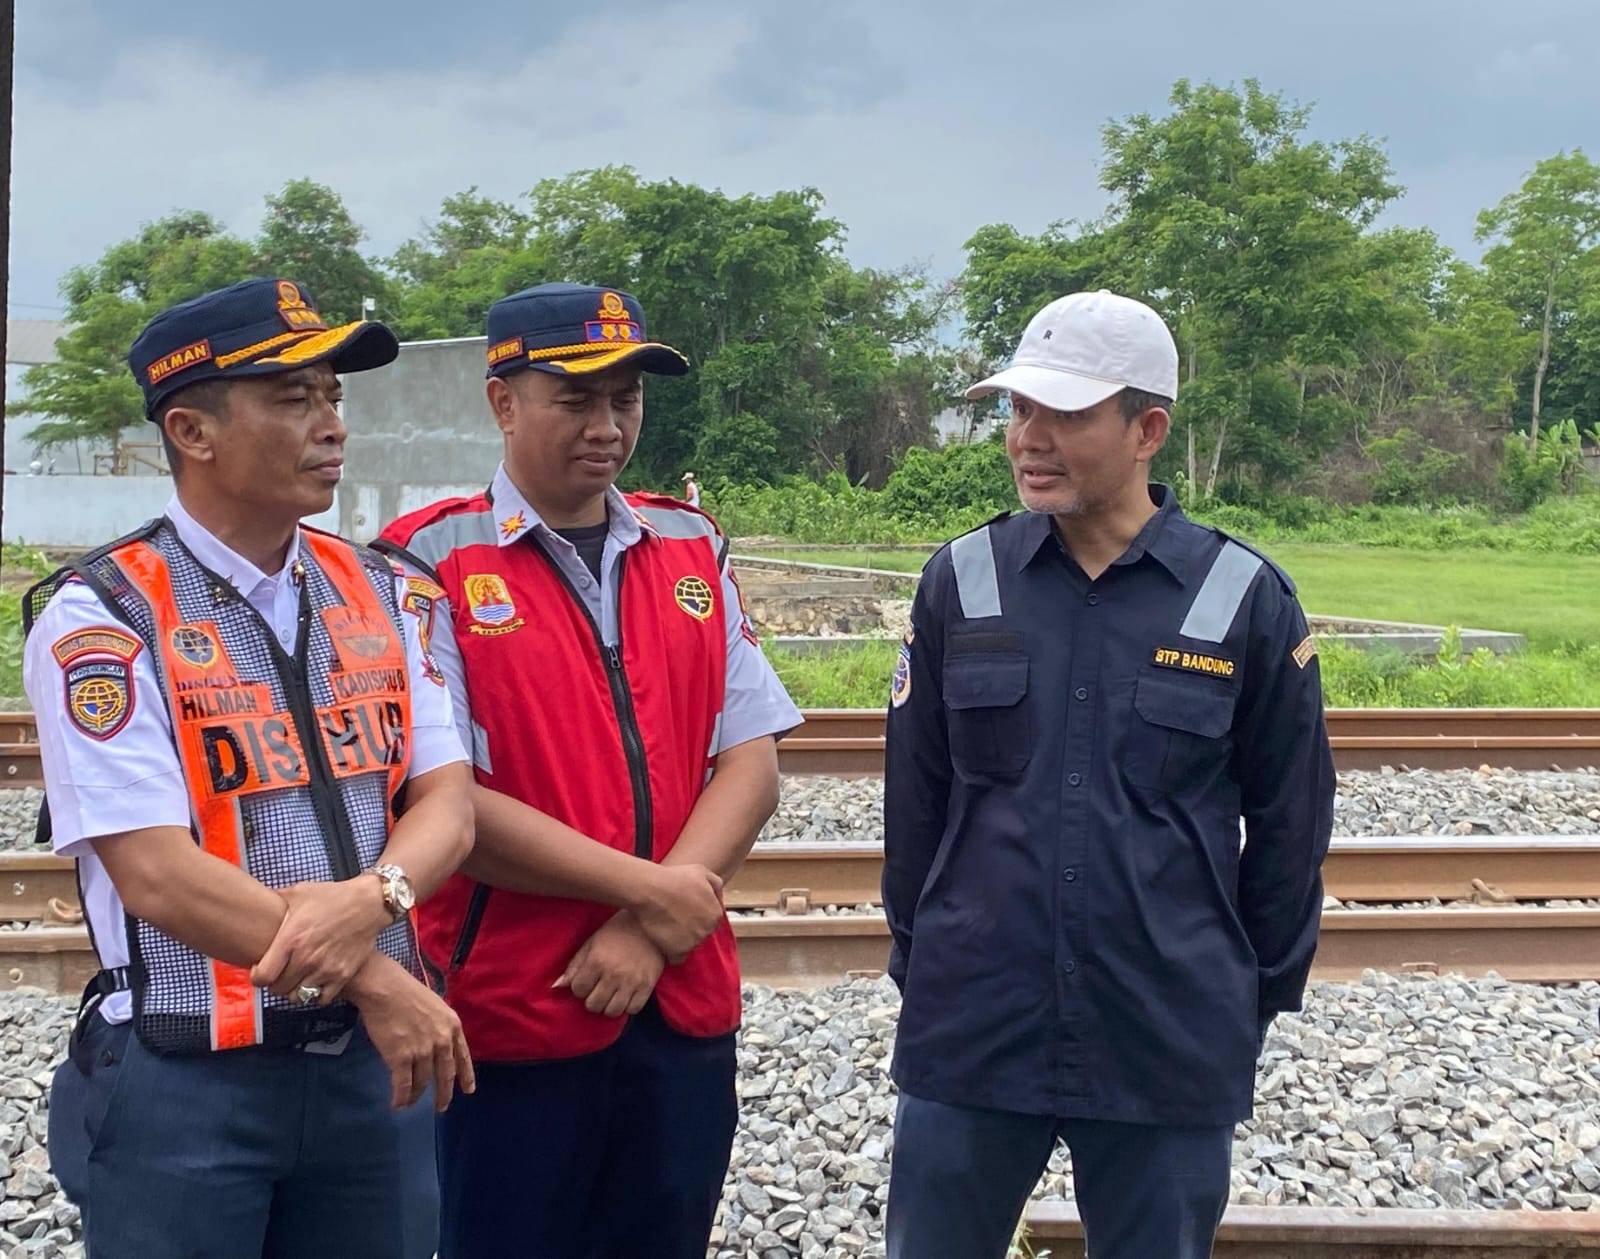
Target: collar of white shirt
{"points": [[514, 518], [244, 576]]}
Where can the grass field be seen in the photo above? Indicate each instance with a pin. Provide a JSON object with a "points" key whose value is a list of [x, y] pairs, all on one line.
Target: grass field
{"points": [[1553, 599]]}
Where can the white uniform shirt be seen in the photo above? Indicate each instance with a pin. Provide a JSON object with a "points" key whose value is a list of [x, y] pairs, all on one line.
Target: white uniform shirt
{"points": [[754, 702], [133, 779]]}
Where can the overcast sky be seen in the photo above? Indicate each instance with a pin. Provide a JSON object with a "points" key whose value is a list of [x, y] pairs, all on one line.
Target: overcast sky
{"points": [[919, 122]]}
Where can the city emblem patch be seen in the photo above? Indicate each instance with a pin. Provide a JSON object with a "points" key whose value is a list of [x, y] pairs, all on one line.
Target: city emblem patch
{"points": [[98, 678], [195, 645], [694, 596], [100, 696], [900, 684], [490, 604]]}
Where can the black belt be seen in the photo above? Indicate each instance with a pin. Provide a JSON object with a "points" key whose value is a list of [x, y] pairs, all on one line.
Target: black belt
{"points": [[106, 982]]}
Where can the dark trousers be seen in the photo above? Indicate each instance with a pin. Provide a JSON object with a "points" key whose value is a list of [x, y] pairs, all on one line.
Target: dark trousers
{"points": [[280, 1154], [619, 1154], [960, 1178]]}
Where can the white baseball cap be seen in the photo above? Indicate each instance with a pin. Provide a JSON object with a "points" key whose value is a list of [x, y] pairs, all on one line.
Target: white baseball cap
{"points": [[1083, 348]]}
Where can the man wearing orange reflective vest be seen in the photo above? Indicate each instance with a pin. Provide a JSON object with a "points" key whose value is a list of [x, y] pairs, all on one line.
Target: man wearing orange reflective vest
{"points": [[230, 709], [621, 720]]}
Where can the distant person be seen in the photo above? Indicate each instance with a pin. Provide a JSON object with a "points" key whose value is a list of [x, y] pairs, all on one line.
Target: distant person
{"points": [[1092, 694], [691, 490], [622, 721], [246, 752]]}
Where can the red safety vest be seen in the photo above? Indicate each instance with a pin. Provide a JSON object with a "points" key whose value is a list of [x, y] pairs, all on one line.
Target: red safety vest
{"points": [[617, 743]]}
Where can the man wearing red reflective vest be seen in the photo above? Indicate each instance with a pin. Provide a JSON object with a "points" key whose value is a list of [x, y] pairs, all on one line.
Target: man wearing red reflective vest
{"points": [[621, 721]]}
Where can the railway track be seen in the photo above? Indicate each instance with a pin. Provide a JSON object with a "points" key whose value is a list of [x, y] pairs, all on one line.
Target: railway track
{"points": [[1387, 1233], [849, 742], [801, 947]]}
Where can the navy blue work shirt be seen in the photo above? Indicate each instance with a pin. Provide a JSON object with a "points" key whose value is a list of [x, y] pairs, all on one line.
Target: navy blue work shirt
{"points": [[1077, 931]]}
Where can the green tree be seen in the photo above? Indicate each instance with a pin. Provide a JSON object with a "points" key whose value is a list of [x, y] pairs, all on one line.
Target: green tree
{"points": [[1246, 235], [1544, 234], [477, 251], [90, 392], [308, 235]]}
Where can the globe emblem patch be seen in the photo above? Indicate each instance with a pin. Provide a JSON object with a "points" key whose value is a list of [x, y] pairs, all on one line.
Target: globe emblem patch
{"points": [[195, 646], [99, 697], [694, 596]]}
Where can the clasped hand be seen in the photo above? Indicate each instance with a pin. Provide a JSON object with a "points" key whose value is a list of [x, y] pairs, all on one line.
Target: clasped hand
{"points": [[324, 939]]}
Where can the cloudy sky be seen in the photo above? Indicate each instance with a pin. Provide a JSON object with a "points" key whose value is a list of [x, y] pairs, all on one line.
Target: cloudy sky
{"points": [[919, 121]]}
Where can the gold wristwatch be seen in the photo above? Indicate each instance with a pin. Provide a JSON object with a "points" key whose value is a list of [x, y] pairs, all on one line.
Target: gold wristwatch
{"points": [[399, 897]]}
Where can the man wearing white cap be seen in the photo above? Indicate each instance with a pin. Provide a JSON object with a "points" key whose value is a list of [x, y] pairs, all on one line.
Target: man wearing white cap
{"points": [[691, 490], [1093, 694]]}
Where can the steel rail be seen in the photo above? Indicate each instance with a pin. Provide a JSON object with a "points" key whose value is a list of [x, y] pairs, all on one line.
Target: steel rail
{"points": [[848, 743], [1527, 945], [798, 878], [1382, 1233]]}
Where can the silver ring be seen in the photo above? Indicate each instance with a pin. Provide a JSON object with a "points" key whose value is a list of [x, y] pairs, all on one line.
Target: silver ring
{"points": [[308, 994]]}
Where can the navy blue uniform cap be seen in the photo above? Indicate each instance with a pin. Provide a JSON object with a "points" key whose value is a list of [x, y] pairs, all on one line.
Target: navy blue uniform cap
{"points": [[253, 328], [571, 329]]}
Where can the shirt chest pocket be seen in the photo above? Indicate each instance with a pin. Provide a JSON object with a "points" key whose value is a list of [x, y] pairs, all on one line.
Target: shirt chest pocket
{"points": [[1179, 740], [986, 698]]}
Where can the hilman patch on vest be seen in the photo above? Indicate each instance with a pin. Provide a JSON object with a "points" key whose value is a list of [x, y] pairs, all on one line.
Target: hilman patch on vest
{"points": [[1305, 651], [196, 645], [163, 367], [98, 678], [1194, 662], [900, 684], [693, 595], [490, 604]]}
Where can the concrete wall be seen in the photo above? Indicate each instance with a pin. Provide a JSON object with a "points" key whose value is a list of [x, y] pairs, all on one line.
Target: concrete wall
{"points": [[420, 430], [84, 511]]}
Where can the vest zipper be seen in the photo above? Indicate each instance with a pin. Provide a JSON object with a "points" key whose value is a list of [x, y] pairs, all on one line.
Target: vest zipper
{"points": [[622, 702], [337, 835], [469, 925]]}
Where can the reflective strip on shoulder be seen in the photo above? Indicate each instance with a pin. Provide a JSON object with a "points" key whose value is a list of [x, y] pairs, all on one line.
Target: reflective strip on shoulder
{"points": [[1212, 612], [972, 555], [676, 524], [434, 542]]}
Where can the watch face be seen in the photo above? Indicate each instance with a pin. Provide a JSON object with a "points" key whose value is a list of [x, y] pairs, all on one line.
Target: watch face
{"points": [[405, 896]]}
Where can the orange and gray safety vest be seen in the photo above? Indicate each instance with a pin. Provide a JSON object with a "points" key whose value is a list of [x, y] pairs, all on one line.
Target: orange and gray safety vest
{"points": [[293, 761]]}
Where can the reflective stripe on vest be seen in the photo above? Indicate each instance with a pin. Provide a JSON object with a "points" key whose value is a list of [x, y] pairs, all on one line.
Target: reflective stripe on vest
{"points": [[1212, 612], [972, 555]]}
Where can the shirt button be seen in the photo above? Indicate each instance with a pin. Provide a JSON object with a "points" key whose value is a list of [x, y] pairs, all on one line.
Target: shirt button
{"points": [[1093, 600], [1074, 779], [1070, 875], [1081, 693], [1070, 967]]}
